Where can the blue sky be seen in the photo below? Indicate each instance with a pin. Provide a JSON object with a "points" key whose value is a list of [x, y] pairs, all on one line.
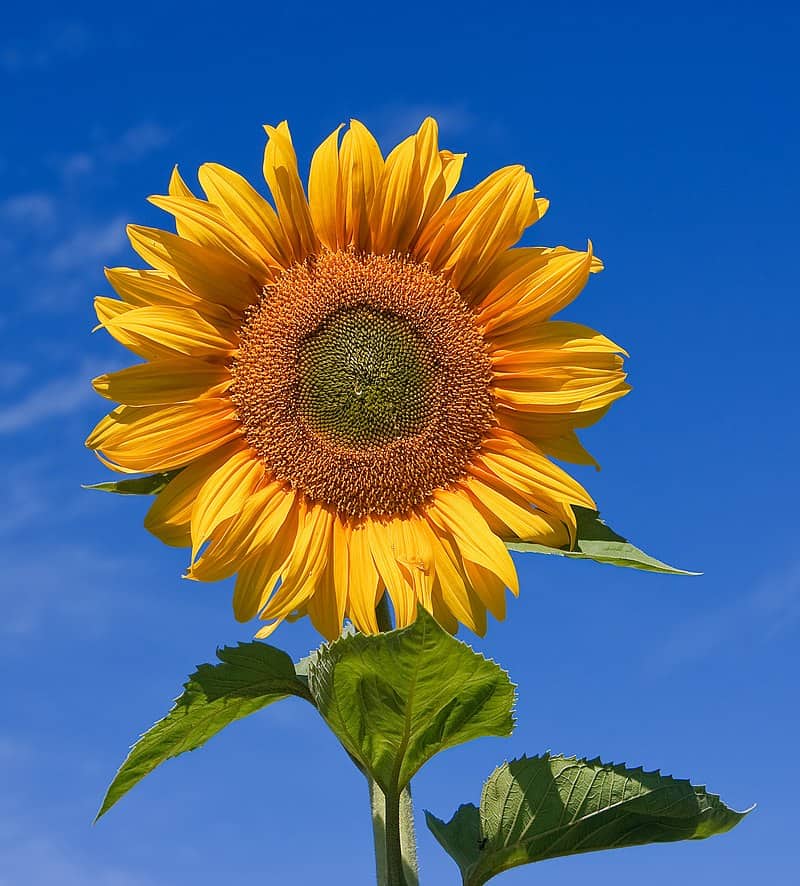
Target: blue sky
{"points": [[669, 136]]}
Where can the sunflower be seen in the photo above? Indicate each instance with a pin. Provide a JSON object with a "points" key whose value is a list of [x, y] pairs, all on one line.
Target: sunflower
{"points": [[360, 390]]}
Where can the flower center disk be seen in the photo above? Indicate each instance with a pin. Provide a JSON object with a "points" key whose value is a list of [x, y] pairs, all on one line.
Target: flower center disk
{"points": [[363, 381], [365, 377]]}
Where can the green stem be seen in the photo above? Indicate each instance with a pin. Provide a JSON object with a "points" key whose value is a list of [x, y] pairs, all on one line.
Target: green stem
{"points": [[382, 614], [394, 839], [393, 817]]}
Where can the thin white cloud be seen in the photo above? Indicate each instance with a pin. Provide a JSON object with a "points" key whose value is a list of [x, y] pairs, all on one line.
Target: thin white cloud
{"points": [[76, 165], [29, 210], [110, 151], [58, 397], [68, 584], [37, 860], [137, 142], [757, 617], [56, 44], [393, 123], [88, 245], [12, 373]]}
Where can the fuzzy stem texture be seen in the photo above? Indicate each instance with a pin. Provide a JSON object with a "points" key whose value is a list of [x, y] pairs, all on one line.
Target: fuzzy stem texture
{"points": [[393, 817]]}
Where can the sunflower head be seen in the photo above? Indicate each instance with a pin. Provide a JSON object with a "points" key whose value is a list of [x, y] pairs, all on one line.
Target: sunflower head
{"points": [[360, 385]]}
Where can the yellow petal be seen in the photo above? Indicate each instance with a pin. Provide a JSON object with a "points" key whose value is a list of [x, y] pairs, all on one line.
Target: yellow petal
{"points": [[473, 228], [416, 556], [203, 223], [108, 310], [280, 171], [452, 165], [172, 380], [455, 513], [363, 581], [398, 200], [144, 289], [177, 186], [554, 339], [307, 563], [260, 572], [256, 526], [535, 292], [575, 395], [325, 201], [567, 447], [386, 545], [525, 468], [441, 611], [247, 212], [210, 274], [324, 606], [512, 510], [360, 168], [434, 183], [169, 517], [537, 426], [160, 438], [173, 330], [489, 589], [513, 266], [452, 580], [224, 494]]}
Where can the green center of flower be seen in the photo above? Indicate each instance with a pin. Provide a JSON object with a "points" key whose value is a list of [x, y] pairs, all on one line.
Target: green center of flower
{"points": [[364, 377]]}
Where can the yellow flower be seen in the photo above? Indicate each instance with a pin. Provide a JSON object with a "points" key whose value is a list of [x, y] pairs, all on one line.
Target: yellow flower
{"points": [[362, 388]]}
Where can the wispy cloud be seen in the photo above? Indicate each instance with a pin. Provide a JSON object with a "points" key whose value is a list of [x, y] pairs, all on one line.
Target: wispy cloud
{"points": [[39, 860], [393, 123], [768, 611], [29, 210], [12, 372], [90, 244], [58, 397], [67, 585], [52, 244], [107, 151], [56, 44]]}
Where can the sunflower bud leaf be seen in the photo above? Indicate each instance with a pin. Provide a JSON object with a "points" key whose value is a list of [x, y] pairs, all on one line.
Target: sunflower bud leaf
{"points": [[536, 808], [247, 678], [152, 484], [597, 541], [396, 699]]}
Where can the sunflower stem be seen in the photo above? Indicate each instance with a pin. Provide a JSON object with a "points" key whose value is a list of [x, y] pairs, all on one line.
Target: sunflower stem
{"points": [[382, 614], [394, 838], [393, 817]]}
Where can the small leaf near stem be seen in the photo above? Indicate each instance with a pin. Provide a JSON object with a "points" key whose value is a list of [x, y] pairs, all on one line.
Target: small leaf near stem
{"points": [[397, 698]]}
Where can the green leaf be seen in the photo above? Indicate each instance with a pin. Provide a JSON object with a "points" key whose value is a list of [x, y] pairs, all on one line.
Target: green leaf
{"points": [[545, 807], [396, 699], [152, 484], [249, 677], [598, 541], [303, 665]]}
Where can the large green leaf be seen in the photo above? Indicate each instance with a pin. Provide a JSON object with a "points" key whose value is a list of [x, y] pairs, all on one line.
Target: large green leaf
{"points": [[397, 698], [597, 541], [248, 677], [545, 807], [152, 484]]}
